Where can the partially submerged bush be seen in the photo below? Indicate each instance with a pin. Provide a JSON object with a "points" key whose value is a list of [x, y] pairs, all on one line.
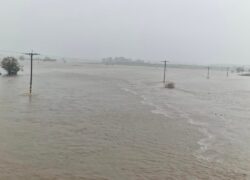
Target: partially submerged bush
{"points": [[170, 85], [11, 65]]}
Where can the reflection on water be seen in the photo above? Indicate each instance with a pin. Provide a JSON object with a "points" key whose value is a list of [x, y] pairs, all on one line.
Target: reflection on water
{"points": [[118, 122]]}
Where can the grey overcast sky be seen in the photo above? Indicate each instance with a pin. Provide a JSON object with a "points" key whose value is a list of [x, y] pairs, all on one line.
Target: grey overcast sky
{"points": [[183, 31]]}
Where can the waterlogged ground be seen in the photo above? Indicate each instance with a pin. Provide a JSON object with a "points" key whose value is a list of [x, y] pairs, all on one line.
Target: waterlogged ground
{"points": [[87, 121]]}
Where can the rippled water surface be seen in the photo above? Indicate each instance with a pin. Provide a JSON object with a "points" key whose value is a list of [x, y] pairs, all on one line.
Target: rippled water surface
{"points": [[90, 121]]}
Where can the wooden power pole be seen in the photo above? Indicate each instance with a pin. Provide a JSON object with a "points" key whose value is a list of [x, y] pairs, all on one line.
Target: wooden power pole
{"points": [[164, 73], [208, 72], [227, 71], [31, 67]]}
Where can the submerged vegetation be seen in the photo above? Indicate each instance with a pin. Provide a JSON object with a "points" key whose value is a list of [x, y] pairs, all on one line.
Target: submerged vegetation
{"points": [[11, 65], [170, 85]]}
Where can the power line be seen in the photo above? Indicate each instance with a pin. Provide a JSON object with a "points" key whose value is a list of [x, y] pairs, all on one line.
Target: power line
{"points": [[9, 51], [49, 55]]}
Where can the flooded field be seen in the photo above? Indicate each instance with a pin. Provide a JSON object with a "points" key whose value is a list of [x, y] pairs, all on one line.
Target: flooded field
{"points": [[92, 121]]}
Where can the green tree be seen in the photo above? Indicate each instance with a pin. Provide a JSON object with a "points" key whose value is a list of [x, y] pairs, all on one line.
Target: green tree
{"points": [[11, 65]]}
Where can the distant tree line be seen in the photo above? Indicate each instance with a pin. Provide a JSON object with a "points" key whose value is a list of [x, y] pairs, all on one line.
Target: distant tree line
{"points": [[240, 69], [46, 58], [122, 61]]}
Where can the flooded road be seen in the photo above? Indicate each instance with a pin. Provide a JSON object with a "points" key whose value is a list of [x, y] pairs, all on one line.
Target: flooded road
{"points": [[90, 121]]}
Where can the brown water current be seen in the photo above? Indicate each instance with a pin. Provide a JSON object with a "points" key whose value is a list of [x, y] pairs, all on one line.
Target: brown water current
{"points": [[98, 122]]}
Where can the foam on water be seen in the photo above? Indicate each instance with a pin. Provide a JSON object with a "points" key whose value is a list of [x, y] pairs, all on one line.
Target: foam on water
{"points": [[205, 143], [213, 136]]}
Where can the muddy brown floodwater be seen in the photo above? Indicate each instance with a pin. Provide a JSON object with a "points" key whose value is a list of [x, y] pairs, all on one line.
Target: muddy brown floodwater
{"points": [[91, 121]]}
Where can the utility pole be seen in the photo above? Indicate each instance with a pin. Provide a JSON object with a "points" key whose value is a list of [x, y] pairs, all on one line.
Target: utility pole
{"points": [[31, 67], [227, 71], [208, 72], [164, 73]]}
